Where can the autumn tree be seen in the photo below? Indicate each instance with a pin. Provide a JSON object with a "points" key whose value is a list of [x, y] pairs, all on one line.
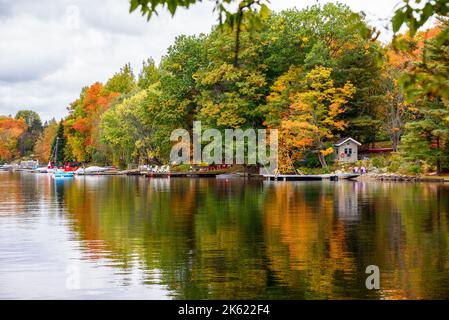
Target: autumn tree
{"points": [[81, 126], [10, 131], [401, 58], [428, 76], [42, 148], [314, 115], [427, 137], [332, 36], [132, 127]]}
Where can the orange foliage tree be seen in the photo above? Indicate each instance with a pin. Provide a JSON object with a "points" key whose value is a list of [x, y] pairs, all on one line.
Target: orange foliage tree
{"points": [[406, 50], [10, 131], [81, 126]]}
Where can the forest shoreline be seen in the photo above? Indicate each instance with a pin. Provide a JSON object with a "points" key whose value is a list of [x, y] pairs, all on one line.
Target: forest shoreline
{"points": [[226, 175]]}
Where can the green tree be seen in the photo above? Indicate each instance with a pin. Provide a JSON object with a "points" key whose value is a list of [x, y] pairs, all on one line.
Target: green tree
{"points": [[253, 12], [427, 139], [60, 140], [31, 118], [178, 86], [148, 75], [122, 82], [230, 96], [134, 130], [27, 141]]}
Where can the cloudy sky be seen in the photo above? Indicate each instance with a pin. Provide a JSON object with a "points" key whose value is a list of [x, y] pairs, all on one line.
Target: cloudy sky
{"points": [[49, 50]]}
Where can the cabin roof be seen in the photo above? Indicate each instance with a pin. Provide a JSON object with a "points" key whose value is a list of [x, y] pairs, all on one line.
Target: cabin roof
{"points": [[343, 140]]}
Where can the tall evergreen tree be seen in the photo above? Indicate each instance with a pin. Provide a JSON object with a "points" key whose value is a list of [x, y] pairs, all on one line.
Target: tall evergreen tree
{"points": [[61, 141]]}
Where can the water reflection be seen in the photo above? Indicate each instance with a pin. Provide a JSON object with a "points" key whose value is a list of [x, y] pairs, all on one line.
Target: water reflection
{"points": [[207, 238]]}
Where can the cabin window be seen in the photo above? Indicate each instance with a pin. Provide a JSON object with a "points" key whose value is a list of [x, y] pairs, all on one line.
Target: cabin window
{"points": [[350, 151]]}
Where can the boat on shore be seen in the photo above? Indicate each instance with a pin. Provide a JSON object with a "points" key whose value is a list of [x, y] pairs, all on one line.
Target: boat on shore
{"points": [[64, 172], [92, 170], [43, 170], [10, 167]]}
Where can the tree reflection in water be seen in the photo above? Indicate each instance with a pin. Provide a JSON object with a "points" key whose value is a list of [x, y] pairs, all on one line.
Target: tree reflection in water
{"points": [[207, 238]]}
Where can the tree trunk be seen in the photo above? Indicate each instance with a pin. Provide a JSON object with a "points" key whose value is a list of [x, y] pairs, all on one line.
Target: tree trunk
{"points": [[438, 157], [395, 141], [322, 160], [237, 37]]}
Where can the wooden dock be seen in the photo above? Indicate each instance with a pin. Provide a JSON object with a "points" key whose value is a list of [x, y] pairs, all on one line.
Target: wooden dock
{"points": [[310, 177], [199, 174]]}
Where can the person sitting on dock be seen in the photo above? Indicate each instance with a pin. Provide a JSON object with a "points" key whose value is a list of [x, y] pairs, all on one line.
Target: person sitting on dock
{"points": [[356, 169], [363, 170]]}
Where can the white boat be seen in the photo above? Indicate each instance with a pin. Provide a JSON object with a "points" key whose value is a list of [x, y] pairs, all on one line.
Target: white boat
{"points": [[91, 170], [42, 170], [95, 169]]}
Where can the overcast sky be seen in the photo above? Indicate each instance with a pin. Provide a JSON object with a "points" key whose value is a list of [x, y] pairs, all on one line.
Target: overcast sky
{"points": [[49, 50]]}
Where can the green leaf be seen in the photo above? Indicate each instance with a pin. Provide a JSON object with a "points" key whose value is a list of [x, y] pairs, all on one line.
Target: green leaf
{"points": [[264, 11], [398, 20], [427, 12], [134, 5], [172, 5]]}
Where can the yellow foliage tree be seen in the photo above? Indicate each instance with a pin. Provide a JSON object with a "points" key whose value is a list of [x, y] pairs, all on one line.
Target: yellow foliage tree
{"points": [[313, 117], [42, 149]]}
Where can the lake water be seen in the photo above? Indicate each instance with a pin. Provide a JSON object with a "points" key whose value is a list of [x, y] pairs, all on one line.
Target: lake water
{"points": [[117, 237]]}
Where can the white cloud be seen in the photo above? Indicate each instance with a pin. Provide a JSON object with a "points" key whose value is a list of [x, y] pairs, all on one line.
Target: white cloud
{"points": [[49, 50]]}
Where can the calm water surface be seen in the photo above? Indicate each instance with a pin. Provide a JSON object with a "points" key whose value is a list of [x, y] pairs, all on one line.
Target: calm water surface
{"points": [[136, 238]]}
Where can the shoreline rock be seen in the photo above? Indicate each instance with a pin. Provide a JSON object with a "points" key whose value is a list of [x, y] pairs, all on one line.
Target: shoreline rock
{"points": [[405, 178]]}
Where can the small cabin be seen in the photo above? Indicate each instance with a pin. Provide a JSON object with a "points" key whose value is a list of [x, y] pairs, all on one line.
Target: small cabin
{"points": [[346, 150]]}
